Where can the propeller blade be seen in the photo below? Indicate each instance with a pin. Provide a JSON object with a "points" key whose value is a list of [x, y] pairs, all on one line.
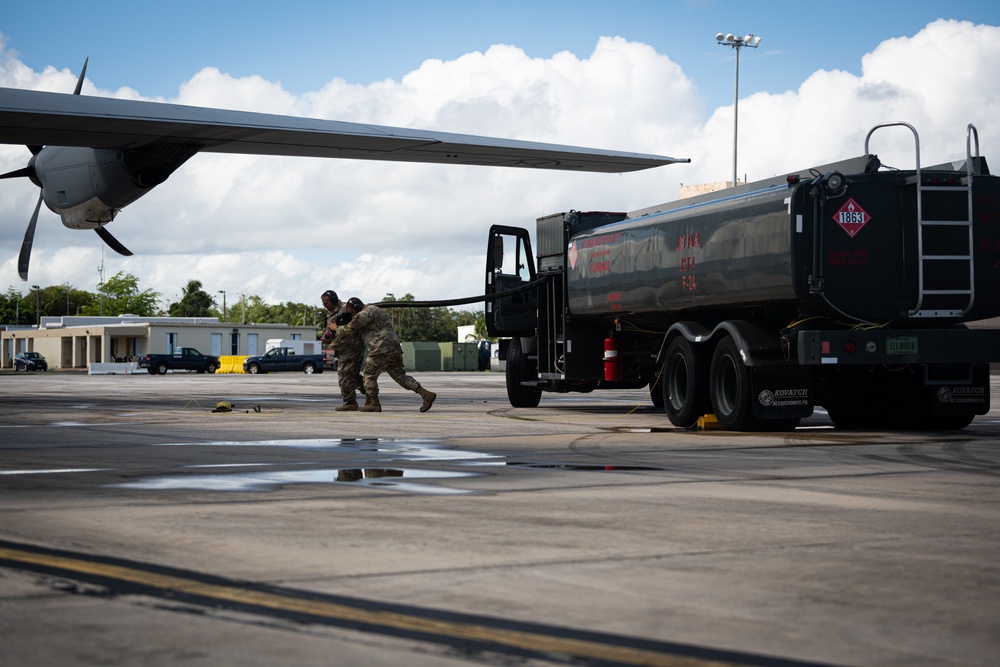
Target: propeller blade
{"points": [[112, 242], [29, 239], [29, 234], [83, 73], [24, 172]]}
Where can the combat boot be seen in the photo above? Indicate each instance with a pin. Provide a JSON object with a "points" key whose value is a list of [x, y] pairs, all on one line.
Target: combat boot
{"points": [[371, 404], [349, 406], [428, 397]]}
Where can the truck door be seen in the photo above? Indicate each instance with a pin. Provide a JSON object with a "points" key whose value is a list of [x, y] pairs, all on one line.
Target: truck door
{"points": [[509, 265]]}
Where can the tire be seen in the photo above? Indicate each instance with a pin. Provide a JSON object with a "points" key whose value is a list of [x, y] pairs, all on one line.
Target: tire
{"points": [[211, 367], [309, 368], [684, 384], [917, 418], [253, 369], [947, 422], [161, 368], [520, 367], [729, 388], [852, 418], [656, 392]]}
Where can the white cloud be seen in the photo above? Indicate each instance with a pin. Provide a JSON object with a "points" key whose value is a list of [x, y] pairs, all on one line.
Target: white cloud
{"points": [[288, 228]]}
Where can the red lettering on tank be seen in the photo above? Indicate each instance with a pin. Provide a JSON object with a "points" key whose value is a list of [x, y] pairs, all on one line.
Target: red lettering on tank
{"points": [[603, 239], [685, 241], [859, 258]]}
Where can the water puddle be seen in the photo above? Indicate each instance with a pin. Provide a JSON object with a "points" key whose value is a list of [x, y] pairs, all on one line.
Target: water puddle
{"points": [[395, 479], [384, 449]]}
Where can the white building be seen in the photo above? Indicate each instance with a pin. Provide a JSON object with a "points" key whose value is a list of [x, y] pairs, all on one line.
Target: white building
{"points": [[75, 342]]}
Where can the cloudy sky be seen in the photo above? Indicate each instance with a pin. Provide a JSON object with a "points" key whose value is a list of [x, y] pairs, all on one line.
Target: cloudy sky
{"points": [[636, 75]]}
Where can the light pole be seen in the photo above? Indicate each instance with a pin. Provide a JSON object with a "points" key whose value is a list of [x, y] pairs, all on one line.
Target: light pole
{"points": [[223, 293], [38, 306], [736, 43]]}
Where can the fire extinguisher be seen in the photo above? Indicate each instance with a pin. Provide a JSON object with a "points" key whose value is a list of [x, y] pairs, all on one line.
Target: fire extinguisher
{"points": [[612, 359]]}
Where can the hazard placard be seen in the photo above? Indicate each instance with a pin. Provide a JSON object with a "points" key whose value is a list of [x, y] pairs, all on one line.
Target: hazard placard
{"points": [[851, 217], [573, 254]]}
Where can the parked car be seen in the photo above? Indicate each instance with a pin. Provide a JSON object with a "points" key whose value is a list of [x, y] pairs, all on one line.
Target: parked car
{"points": [[30, 361], [184, 359], [284, 359]]}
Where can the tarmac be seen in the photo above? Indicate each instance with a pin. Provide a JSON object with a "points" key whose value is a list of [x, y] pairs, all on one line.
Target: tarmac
{"points": [[141, 526]]}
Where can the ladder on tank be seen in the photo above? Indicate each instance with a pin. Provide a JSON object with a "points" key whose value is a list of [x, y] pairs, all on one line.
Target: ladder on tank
{"points": [[946, 282]]}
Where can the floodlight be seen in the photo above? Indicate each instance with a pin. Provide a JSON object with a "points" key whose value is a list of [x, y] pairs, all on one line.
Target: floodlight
{"points": [[736, 43]]}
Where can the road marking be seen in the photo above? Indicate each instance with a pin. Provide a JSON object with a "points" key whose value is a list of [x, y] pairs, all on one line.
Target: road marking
{"points": [[429, 625]]}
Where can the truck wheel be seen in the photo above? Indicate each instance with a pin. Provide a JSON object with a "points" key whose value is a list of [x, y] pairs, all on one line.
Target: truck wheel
{"points": [[656, 392], [253, 368], [161, 368], [685, 395], [212, 367], [729, 388], [520, 367], [309, 368], [853, 417], [947, 422]]}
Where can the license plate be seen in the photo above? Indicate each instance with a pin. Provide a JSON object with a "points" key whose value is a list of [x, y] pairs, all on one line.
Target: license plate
{"points": [[902, 345]]}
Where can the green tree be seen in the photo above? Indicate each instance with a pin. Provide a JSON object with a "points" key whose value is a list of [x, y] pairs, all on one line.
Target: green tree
{"points": [[195, 302], [121, 296], [77, 300], [291, 313], [51, 301], [10, 308]]}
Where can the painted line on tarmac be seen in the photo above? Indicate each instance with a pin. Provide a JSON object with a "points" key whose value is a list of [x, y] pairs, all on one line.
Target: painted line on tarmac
{"points": [[465, 631]]}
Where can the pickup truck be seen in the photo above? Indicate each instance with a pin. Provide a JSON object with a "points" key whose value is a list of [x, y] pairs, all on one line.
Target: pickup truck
{"points": [[284, 359], [185, 359]]}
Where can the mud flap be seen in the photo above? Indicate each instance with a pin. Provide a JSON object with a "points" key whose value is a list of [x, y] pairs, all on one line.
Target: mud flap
{"points": [[969, 397], [781, 392]]}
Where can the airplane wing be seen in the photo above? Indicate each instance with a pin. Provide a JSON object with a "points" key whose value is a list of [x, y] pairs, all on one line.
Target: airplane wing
{"points": [[35, 118]]}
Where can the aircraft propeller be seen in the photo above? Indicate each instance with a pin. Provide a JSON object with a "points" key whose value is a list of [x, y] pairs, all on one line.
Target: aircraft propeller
{"points": [[29, 172]]}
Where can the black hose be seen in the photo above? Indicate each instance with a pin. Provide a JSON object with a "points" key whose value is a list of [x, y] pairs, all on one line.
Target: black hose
{"points": [[462, 301]]}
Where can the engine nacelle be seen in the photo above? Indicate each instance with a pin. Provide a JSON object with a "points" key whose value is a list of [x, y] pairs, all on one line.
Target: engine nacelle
{"points": [[86, 187]]}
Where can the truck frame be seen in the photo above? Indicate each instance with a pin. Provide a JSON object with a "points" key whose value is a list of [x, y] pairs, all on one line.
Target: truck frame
{"points": [[845, 286]]}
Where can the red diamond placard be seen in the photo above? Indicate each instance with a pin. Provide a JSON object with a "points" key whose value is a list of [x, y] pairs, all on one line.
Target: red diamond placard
{"points": [[851, 217]]}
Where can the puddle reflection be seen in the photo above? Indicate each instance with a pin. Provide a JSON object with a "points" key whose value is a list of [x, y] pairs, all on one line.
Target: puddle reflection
{"points": [[387, 449], [393, 478]]}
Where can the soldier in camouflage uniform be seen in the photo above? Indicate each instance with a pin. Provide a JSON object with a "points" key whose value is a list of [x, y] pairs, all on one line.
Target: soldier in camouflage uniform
{"points": [[385, 355], [350, 350]]}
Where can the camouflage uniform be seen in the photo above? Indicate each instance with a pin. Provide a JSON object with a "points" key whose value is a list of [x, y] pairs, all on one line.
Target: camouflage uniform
{"points": [[350, 349], [385, 354]]}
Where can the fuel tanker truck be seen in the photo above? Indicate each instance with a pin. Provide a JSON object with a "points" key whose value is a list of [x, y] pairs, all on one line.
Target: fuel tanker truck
{"points": [[847, 286]]}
